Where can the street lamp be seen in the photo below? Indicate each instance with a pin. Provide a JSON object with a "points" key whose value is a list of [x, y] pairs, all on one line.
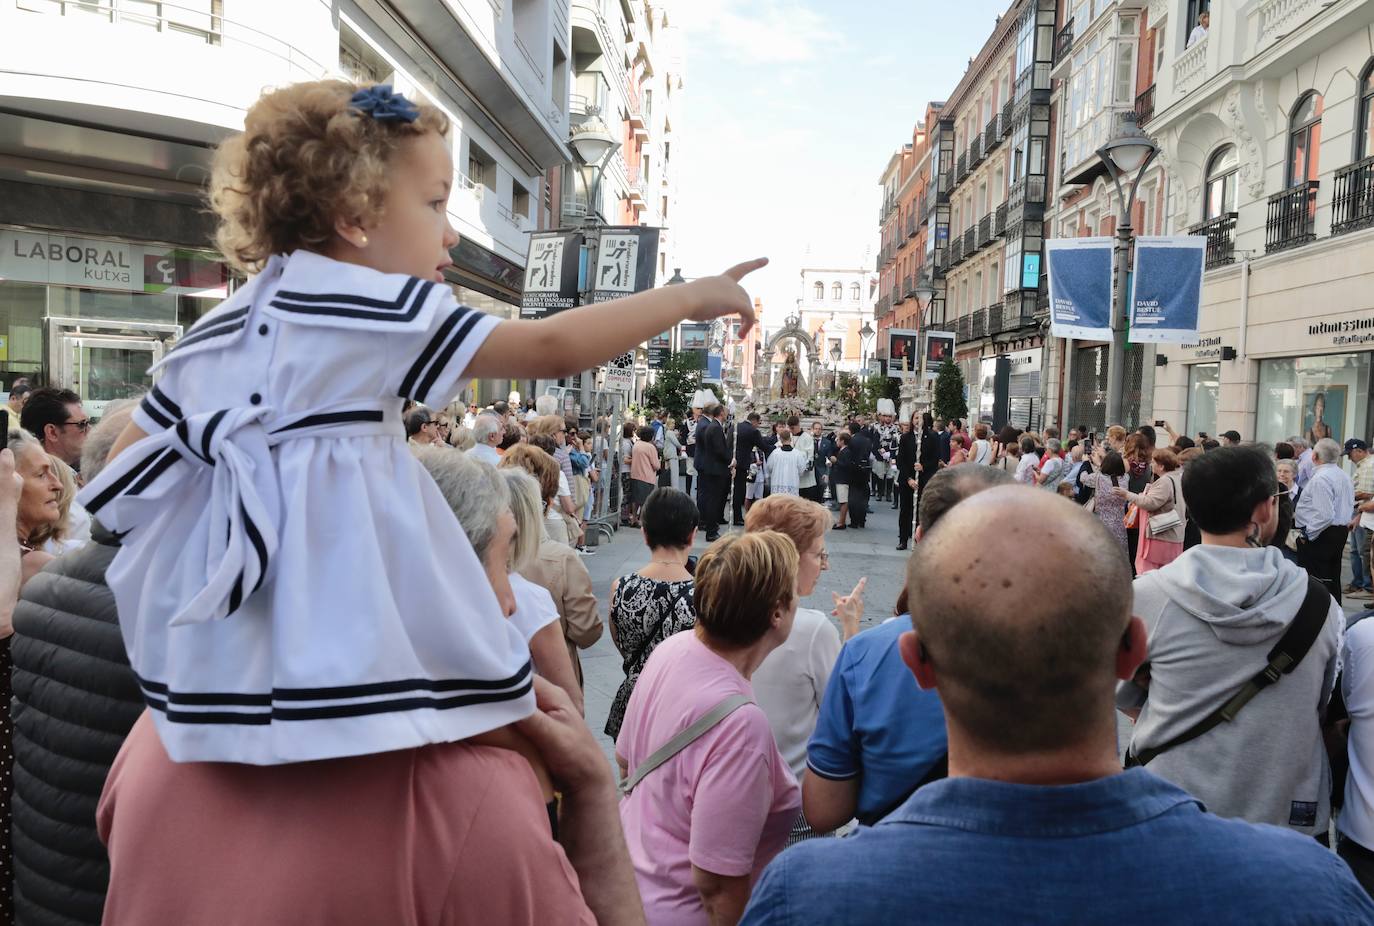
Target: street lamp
{"points": [[835, 354], [866, 334], [594, 146], [1127, 153], [925, 295]]}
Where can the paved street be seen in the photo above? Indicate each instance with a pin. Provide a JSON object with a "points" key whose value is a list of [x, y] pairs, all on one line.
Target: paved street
{"points": [[853, 554]]}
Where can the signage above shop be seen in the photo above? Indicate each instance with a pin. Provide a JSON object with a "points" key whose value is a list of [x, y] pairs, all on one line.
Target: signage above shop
{"points": [[89, 263], [1349, 332]]}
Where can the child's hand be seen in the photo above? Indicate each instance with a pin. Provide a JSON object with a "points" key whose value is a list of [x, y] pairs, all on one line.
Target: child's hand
{"points": [[723, 295]]}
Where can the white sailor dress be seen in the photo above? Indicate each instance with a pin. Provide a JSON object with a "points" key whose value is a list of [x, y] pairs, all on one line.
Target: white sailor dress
{"points": [[291, 583]]}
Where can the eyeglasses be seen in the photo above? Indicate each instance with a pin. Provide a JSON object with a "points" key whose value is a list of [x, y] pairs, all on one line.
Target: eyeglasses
{"points": [[81, 425]]}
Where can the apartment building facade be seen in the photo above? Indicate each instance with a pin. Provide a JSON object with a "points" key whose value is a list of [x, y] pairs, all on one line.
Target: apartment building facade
{"points": [[1266, 125], [105, 148], [1104, 68], [994, 143]]}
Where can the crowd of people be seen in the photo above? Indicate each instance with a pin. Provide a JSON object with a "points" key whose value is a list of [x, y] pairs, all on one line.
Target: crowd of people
{"points": [[310, 652]]}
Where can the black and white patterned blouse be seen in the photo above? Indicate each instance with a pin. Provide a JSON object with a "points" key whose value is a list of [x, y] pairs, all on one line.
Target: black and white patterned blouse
{"points": [[644, 613]]}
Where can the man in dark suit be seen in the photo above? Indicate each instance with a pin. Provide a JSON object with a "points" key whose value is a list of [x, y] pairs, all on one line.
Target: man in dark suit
{"points": [[713, 470], [745, 441], [861, 446]]}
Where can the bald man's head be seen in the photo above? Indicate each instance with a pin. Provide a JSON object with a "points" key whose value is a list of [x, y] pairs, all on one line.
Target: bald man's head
{"points": [[1022, 627]]}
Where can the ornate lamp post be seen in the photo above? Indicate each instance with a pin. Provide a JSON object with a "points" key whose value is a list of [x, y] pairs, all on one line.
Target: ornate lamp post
{"points": [[1128, 152]]}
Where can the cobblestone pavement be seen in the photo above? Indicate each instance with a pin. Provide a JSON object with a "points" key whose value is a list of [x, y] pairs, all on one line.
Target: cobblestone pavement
{"points": [[869, 552]]}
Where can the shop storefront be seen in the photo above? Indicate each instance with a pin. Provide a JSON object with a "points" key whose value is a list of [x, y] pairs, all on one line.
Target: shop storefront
{"points": [[1088, 403], [93, 314], [1010, 390], [1314, 397]]}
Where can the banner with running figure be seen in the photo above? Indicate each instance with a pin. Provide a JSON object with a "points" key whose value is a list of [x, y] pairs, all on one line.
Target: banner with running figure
{"points": [[1166, 289], [626, 261], [1080, 274], [551, 270]]}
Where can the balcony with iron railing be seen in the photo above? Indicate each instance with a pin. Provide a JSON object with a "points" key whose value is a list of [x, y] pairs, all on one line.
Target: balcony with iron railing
{"points": [[1063, 42], [1007, 111], [911, 225], [961, 168], [978, 324], [1018, 309], [985, 230], [1221, 239], [961, 329], [944, 185], [956, 251], [970, 241], [999, 221], [992, 135], [908, 289], [1291, 222], [1352, 205], [1145, 105], [995, 314], [975, 151]]}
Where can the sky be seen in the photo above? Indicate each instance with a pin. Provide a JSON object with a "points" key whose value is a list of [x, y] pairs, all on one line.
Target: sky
{"points": [[790, 113]]}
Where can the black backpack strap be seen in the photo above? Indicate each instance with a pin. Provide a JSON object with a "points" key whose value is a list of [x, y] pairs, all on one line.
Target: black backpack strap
{"points": [[1283, 659]]}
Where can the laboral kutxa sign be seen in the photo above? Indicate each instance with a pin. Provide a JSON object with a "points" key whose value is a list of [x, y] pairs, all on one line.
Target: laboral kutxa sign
{"points": [[1080, 279], [91, 263], [1166, 289]]}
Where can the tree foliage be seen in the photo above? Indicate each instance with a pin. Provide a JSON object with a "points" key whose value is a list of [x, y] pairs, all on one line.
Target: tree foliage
{"points": [[949, 392], [675, 383]]}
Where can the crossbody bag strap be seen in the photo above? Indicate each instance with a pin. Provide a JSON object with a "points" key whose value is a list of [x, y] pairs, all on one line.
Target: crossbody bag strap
{"points": [[1283, 659], [684, 739]]}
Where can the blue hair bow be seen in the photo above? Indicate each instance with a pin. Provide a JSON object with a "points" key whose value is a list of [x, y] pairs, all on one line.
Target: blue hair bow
{"points": [[384, 105]]}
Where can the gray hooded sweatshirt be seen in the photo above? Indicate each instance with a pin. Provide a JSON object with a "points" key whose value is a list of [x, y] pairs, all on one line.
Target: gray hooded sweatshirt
{"points": [[1212, 616]]}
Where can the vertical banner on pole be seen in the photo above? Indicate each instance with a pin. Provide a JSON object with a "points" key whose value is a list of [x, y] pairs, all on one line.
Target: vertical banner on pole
{"points": [[1080, 272], [660, 350], [903, 355], [939, 348], [551, 273], [626, 262], [1166, 289]]}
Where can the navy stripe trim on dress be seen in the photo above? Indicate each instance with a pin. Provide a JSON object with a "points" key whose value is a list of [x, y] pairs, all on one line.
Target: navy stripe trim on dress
{"points": [[445, 355], [168, 458], [339, 692], [436, 342], [479, 691], [153, 412], [117, 487], [172, 408], [403, 308], [310, 421], [227, 324], [184, 433]]}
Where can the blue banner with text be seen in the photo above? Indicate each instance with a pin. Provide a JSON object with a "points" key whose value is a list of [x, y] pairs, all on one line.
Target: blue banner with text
{"points": [[1080, 275]]}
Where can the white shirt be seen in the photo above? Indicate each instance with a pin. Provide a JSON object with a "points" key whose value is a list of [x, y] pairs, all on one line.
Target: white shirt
{"points": [[1027, 468], [534, 607], [287, 563], [982, 452], [784, 471], [1197, 35], [791, 681], [1328, 499], [486, 453], [563, 490], [1357, 684]]}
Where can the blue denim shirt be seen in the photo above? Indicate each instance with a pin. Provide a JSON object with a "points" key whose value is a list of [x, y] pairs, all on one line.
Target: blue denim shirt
{"points": [[1130, 848]]}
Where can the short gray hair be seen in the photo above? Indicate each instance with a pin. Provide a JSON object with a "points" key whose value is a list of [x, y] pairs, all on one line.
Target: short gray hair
{"points": [[546, 405], [1327, 451], [96, 451], [473, 489], [1298, 443], [1052, 445], [528, 509], [485, 426], [1288, 464]]}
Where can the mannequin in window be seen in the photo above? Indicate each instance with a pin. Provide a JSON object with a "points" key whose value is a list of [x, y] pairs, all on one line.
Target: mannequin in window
{"points": [[1204, 22]]}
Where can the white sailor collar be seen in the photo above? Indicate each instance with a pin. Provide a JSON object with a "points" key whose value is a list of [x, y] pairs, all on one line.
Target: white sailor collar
{"points": [[316, 290]]}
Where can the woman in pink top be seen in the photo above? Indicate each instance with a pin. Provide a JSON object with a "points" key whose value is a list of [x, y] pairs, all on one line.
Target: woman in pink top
{"points": [[644, 467], [702, 826]]}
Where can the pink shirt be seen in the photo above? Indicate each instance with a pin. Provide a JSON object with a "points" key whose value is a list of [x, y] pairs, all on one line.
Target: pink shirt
{"points": [[644, 462], [448, 835], [725, 803]]}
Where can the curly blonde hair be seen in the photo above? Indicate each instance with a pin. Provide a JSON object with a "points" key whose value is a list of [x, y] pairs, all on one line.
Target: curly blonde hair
{"points": [[304, 159]]}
